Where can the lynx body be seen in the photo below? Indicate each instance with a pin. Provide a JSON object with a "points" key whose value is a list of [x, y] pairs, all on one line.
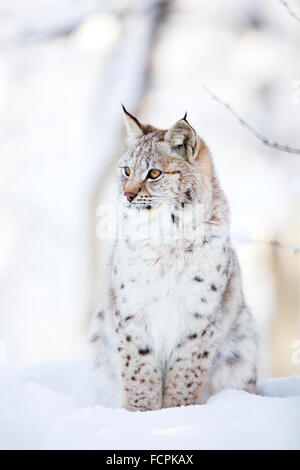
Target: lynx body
{"points": [[173, 327]]}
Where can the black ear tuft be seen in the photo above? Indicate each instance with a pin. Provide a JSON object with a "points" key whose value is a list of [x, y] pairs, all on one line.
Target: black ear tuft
{"points": [[184, 117], [133, 127]]}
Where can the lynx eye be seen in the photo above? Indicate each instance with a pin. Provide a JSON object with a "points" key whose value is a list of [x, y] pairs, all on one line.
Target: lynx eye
{"points": [[127, 171], [153, 174]]}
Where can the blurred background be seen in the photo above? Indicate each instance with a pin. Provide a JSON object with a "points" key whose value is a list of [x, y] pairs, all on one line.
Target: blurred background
{"points": [[65, 67]]}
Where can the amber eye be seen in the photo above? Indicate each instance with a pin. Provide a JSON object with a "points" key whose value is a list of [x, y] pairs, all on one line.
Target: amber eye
{"points": [[153, 174], [127, 171]]}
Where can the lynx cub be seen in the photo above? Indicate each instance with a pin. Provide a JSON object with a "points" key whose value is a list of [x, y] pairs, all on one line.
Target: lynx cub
{"points": [[174, 327]]}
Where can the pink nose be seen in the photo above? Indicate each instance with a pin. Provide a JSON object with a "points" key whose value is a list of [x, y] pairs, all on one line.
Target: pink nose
{"points": [[129, 196]]}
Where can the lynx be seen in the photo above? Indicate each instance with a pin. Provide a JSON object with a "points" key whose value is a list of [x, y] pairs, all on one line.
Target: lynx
{"points": [[174, 327]]}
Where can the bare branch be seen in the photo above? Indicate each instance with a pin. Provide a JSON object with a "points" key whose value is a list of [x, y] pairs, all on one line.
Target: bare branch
{"points": [[290, 11], [266, 141], [46, 23], [276, 244]]}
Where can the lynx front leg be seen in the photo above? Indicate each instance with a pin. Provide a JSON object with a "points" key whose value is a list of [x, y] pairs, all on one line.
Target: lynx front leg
{"points": [[187, 378], [141, 377]]}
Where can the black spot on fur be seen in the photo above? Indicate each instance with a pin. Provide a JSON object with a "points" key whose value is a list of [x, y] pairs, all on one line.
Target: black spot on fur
{"points": [[133, 378], [148, 207], [188, 195], [129, 317], [128, 338], [192, 336], [203, 299], [219, 267], [213, 287], [144, 351], [122, 286], [198, 315], [175, 219], [198, 279], [95, 338], [203, 355], [251, 382], [233, 359]]}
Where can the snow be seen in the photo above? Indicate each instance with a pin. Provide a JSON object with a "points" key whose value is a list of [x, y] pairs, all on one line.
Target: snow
{"points": [[52, 406]]}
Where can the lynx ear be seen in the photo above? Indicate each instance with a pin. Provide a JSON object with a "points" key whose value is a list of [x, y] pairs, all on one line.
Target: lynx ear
{"points": [[182, 138], [134, 128]]}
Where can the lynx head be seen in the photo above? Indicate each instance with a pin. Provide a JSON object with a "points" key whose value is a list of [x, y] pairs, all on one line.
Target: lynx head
{"points": [[160, 166]]}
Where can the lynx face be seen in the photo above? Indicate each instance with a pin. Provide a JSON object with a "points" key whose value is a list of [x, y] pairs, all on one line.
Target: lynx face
{"points": [[157, 166]]}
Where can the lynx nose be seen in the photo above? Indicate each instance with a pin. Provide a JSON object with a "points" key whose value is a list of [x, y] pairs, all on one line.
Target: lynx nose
{"points": [[130, 196]]}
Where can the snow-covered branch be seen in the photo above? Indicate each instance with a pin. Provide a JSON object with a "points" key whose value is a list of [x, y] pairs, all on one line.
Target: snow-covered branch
{"points": [[46, 23], [265, 140], [290, 11], [276, 244]]}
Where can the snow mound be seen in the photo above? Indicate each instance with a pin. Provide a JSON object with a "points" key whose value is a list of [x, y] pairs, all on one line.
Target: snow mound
{"points": [[52, 406]]}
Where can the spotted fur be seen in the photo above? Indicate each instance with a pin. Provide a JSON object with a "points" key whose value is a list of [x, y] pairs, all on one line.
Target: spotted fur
{"points": [[174, 327]]}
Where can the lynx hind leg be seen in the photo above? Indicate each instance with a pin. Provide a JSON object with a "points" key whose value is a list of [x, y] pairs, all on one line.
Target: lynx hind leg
{"points": [[97, 337], [104, 379], [235, 363]]}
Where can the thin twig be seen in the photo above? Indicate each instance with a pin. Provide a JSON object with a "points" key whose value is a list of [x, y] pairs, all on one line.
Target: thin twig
{"points": [[266, 141], [276, 244], [289, 9]]}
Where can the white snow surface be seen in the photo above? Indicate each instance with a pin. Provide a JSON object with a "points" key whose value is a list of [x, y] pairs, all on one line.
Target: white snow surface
{"points": [[52, 406]]}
